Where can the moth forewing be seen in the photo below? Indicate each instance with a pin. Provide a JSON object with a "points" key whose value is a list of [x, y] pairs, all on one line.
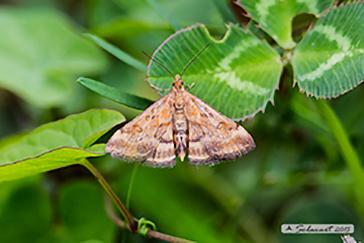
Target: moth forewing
{"points": [[174, 124]]}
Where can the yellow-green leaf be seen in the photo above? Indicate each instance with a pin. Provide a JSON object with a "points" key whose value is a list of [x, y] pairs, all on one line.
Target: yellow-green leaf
{"points": [[57, 144]]}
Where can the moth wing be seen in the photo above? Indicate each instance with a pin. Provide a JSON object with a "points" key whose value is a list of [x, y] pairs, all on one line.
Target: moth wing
{"points": [[148, 138], [212, 136]]}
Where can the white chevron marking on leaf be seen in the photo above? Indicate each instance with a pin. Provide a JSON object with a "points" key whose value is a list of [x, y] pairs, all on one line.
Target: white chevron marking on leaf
{"points": [[235, 82], [338, 57], [238, 50], [343, 42]]}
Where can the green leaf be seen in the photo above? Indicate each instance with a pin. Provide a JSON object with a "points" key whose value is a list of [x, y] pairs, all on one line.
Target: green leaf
{"points": [[116, 95], [118, 53], [237, 75], [329, 60], [275, 16], [57, 144], [41, 53], [54, 159], [11, 139]]}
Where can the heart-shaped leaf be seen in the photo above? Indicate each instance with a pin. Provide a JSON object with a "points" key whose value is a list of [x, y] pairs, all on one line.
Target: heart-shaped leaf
{"points": [[57, 144], [237, 75], [275, 16], [329, 60]]}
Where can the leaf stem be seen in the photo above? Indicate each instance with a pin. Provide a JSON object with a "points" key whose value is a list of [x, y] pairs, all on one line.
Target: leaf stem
{"points": [[350, 156], [131, 223]]}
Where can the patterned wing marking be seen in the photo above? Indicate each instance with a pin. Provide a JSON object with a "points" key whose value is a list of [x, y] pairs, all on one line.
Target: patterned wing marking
{"points": [[147, 139], [212, 136]]}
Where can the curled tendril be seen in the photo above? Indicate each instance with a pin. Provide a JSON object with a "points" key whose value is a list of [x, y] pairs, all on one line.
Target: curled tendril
{"points": [[145, 225]]}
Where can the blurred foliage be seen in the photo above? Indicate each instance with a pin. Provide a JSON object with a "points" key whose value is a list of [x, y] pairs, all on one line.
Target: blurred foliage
{"points": [[296, 174], [41, 54]]}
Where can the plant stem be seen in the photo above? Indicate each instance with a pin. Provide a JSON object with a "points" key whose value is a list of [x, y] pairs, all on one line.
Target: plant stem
{"points": [[168, 238], [131, 223], [132, 179], [350, 156], [151, 233]]}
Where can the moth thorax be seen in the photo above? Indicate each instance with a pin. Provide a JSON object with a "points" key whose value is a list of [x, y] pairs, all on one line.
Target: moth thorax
{"points": [[180, 125], [178, 106]]}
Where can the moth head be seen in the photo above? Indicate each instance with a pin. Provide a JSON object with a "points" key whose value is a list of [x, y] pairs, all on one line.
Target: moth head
{"points": [[178, 83]]}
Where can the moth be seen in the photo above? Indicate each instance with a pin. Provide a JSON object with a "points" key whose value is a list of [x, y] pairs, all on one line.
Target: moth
{"points": [[177, 125]]}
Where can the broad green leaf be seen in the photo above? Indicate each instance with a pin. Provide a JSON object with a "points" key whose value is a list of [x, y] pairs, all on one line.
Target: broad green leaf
{"points": [[275, 16], [11, 139], [57, 144], [116, 95], [118, 53], [237, 75], [54, 159], [41, 53], [329, 60]]}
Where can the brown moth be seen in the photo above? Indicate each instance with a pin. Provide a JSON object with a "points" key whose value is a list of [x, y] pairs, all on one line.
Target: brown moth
{"points": [[177, 124]]}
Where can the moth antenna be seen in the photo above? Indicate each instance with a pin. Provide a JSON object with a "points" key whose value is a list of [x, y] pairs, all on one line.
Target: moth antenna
{"points": [[188, 64], [153, 59]]}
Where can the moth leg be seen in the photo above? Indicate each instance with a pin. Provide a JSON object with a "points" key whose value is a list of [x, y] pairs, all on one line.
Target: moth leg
{"points": [[190, 86]]}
